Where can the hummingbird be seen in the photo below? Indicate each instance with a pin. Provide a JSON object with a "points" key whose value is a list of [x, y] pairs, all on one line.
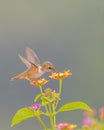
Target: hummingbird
{"points": [[35, 69]]}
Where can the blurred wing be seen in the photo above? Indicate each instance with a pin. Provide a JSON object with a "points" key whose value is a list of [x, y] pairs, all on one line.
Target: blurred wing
{"points": [[26, 62], [32, 57]]}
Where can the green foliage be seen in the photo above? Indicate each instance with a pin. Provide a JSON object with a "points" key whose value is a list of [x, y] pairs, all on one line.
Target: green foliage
{"points": [[74, 106], [21, 115]]}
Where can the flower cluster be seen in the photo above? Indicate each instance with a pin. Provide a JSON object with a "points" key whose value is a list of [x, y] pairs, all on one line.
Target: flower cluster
{"points": [[61, 75], [39, 82], [48, 99], [92, 122], [66, 126], [35, 106], [50, 96]]}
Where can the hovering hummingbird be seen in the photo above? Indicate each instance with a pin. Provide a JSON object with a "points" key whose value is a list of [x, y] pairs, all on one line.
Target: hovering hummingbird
{"points": [[35, 69]]}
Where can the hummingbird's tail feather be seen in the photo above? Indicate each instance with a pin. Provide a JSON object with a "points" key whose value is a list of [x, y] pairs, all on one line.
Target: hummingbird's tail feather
{"points": [[19, 76]]}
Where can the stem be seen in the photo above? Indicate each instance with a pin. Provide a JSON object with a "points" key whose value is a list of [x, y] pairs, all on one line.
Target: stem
{"points": [[60, 90], [60, 86], [41, 91], [50, 116], [54, 116], [42, 123], [46, 108]]}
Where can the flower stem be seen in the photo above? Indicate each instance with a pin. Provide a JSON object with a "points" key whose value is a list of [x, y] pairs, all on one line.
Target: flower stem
{"points": [[51, 116], [60, 90], [60, 85], [41, 91], [46, 108], [42, 123], [54, 116]]}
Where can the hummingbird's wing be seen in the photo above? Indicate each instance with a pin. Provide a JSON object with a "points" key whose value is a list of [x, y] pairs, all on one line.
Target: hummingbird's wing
{"points": [[32, 57], [25, 61]]}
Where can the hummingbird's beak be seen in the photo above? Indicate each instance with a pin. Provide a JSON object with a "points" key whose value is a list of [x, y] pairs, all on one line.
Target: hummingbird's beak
{"points": [[53, 69]]}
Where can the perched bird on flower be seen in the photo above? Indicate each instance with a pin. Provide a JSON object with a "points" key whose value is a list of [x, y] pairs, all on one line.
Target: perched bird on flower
{"points": [[35, 69]]}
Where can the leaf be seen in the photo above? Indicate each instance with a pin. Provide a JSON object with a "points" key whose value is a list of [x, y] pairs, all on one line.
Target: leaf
{"points": [[21, 115], [74, 106]]}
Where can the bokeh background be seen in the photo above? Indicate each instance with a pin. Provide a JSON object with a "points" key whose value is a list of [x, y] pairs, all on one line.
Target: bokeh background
{"points": [[70, 34]]}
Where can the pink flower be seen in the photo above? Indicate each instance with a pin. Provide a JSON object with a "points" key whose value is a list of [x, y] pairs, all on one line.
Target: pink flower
{"points": [[66, 126], [87, 121], [35, 106]]}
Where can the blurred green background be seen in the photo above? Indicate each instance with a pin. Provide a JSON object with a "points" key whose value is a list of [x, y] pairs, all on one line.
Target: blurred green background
{"points": [[69, 33]]}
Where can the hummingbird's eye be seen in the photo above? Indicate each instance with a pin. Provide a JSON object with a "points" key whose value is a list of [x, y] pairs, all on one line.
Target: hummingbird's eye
{"points": [[49, 68]]}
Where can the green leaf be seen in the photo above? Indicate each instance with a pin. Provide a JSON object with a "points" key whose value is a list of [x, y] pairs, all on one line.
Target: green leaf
{"points": [[21, 115], [74, 106]]}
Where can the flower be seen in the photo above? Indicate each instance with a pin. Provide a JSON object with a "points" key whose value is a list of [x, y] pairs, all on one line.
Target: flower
{"points": [[35, 106], [87, 121], [90, 113], [39, 82], [66, 126], [61, 75], [50, 96], [48, 92], [101, 113]]}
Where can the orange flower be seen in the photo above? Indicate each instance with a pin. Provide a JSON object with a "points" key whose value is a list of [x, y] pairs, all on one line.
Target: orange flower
{"points": [[60, 75], [39, 82], [101, 113], [90, 113]]}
